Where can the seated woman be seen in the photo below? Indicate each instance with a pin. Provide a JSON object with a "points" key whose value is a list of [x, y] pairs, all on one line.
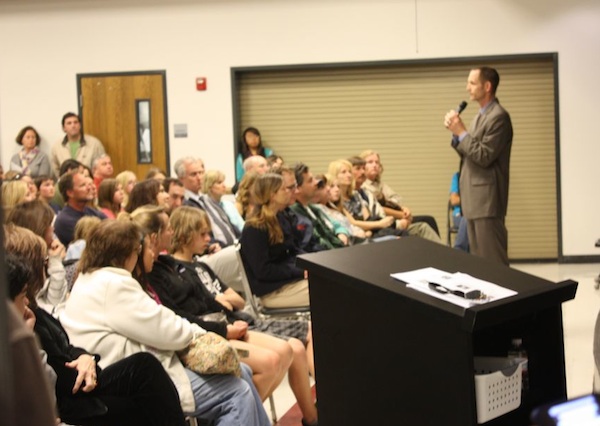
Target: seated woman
{"points": [[244, 202], [149, 191], [110, 197], [128, 180], [15, 192], [109, 313], [38, 217], [133, 391], [214, 188], [355, 207], [269, 263], [188, 284], [188, 299]]}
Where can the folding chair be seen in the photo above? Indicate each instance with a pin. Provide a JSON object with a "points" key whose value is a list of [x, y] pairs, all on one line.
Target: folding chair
{"points": [[259, 311]]}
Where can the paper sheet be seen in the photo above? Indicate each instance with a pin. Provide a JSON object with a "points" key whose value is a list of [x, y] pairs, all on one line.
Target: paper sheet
{"points": [[419, 280]]}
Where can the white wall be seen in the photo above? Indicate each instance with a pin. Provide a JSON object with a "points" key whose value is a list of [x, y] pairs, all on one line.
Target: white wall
{"points": [[44, 44]]}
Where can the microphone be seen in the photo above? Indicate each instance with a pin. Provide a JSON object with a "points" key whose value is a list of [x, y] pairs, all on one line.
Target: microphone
{"points": [[461, 107]]}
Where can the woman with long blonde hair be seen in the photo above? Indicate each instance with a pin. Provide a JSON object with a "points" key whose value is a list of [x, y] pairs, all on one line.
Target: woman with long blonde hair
{"points": [[270, 263], [354, 207]]}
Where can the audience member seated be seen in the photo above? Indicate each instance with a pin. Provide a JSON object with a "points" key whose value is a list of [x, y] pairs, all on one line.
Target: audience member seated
{"points": [[156, 173], [297, 229], [243, 197], [127, 179], [66, 167], [214, 190], [191, 285], [75, 250], [222, 260], [391, 201], [75, 145], [110, 197], [270, 264], [274, 161], [30, 160], [78, 192], [102, 168], [251, 144], [461, 241], [329, 233], [149, 191], [14, 192], [176, 191], [134, 391], [109, 313], [223, 230], [328, 198], [46, 191], [187, 297], [38, 217], [356, 208], [253, 164]]}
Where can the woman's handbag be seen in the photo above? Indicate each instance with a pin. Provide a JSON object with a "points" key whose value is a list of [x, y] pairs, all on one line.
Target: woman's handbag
{"points": [[210, 353]]}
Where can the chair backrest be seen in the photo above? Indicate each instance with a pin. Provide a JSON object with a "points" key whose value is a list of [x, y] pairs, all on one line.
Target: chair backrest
{"points": [[302, 312], [246, 284]]}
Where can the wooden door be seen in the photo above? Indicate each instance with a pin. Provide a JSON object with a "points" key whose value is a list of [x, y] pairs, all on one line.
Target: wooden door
{"points": [[128, 113]]}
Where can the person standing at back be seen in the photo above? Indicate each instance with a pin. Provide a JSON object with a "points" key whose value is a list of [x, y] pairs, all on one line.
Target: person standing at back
{"points": [[75, 145], [485, 160]]}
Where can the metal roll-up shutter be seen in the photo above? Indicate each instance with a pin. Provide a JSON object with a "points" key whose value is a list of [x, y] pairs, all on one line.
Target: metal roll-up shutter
{"points": [[317, 114]]}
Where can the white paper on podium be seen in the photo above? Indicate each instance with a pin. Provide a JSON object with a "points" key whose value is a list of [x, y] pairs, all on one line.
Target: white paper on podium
{"points": [[419, 280]]}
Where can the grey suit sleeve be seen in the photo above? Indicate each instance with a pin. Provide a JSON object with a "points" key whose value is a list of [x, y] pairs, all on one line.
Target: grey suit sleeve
{"points": [[488, 140]]}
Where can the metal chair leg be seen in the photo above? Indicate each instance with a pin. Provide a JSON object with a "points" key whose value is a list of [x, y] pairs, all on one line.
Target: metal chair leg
{"points": [[273, 412]]}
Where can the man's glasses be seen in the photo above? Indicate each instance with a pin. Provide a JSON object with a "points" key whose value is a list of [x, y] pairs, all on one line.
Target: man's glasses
{"points": [[291, 187]]}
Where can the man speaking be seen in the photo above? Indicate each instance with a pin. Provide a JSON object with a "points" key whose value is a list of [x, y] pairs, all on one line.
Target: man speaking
{"points": [[484, 172]]}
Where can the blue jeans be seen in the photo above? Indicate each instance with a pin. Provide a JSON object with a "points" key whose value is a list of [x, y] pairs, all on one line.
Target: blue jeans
{"points": [[462, 239], [227, 400]]}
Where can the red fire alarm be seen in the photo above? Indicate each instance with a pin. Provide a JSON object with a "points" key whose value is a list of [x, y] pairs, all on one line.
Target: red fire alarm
{"points": [[201, 83]]}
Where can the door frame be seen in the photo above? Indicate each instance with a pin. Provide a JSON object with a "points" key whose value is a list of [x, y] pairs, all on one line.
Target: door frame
{"points": [[162, 73]]}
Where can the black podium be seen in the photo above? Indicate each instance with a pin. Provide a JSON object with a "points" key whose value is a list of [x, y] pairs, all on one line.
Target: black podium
{"points": [[386, 354]]}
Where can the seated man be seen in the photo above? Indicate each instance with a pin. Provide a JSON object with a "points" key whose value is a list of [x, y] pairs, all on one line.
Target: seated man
{"points": [[422, 226], [329, 232], [77, 191]]}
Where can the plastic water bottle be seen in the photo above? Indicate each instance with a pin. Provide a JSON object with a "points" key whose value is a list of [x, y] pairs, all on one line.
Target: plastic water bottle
{"points": [[519, 354]]}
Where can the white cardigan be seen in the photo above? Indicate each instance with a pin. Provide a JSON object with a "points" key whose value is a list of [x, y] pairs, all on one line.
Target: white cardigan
{"points": [[108, 313]]}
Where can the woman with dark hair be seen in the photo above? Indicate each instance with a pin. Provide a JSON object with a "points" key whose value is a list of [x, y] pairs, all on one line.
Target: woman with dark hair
{"points": [[269, 262], [110, 197], [251, 144], [109, 313], [30, 160], [38, 217], [134, 391], [149, 191]]}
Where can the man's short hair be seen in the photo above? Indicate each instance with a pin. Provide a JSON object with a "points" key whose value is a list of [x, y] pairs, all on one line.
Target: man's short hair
{"points": [[68, 115], [65, 184], [68, 165], [171, 181], [180, 165], [357, 161], [97, 160], [491, 75], [300, 169]]}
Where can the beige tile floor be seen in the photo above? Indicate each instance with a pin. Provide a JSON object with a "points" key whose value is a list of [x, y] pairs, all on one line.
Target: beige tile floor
{"points": [[579, 316]]}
